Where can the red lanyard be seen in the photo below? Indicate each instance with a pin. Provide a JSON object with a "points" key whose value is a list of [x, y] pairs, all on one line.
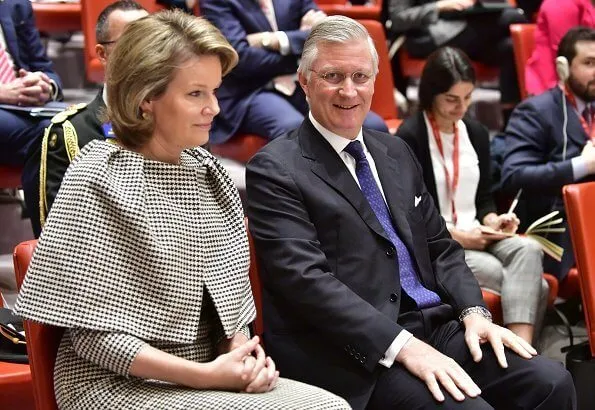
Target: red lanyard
{"points": [[589, 129], [453, 184]]}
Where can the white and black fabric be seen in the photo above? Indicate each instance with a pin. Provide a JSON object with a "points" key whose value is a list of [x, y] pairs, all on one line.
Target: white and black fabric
{"points": [[137, 251]]}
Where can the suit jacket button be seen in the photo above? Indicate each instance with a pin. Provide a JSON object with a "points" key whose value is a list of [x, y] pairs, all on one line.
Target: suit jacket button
{"points": [[393, 297], [391, 251]]}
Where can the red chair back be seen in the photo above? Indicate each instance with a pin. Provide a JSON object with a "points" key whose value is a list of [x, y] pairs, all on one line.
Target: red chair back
{"points": [[383, 102], [523, 44], [370, 11], [90, 10], [579, 200], [10, 177], [42, 340]]}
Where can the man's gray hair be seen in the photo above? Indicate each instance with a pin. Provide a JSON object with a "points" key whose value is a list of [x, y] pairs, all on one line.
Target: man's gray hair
{"points": [[334, 29]]}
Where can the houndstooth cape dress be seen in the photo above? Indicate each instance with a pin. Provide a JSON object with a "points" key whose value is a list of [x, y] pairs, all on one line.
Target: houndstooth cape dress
{"points": [[137, 251]]}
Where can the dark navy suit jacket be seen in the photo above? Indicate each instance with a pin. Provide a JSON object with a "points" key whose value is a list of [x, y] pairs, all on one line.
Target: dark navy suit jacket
{"points": [[332, 295], [257, 66], [22, 38], [534, 161]]}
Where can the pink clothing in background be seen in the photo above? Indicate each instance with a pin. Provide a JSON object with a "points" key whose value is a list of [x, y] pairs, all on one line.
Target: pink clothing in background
{"points": [[554, 19]]}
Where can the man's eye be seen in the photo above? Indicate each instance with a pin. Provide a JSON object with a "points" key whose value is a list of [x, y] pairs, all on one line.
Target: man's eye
{"points": [[359, 77], [333, 77]]}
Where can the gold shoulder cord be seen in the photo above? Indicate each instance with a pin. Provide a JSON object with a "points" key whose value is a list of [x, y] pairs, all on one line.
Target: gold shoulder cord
{"points": [[71, 145], [42, 175], [71, 140]]}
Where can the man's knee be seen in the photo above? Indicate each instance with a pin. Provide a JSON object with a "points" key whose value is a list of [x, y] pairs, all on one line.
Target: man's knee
{"points": [[553, 387]]}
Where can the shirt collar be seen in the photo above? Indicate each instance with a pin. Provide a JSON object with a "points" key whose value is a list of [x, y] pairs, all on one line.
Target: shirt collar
{"points": [[337, 142], [104, 95]]}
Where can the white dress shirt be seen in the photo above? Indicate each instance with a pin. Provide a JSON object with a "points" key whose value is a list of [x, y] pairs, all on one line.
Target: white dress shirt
{"points": [[468, 176], [339, 143]]}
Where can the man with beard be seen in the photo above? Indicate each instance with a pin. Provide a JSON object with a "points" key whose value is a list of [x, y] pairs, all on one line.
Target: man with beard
{"points": [[550, 139]]}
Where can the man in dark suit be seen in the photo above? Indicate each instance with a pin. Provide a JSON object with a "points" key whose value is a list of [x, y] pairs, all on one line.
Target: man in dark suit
{"points": [[260, 96], [362, 283], [26, 78], [549, 140], [72, 129]]}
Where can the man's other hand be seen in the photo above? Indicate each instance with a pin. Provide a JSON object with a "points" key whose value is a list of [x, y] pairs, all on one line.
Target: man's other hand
{"points": [[435, 369], [479, 330]]}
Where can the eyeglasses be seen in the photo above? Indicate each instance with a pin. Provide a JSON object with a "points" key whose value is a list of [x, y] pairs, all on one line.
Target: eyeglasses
{"points": [[337, 77]]}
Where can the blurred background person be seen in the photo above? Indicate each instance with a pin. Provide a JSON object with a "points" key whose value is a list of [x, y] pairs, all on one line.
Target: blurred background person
{"points": [[261, 96], [81, 122], [26, 78], [483, 36], [549, 140], [454, 153], [554, 19], [156, 305]]}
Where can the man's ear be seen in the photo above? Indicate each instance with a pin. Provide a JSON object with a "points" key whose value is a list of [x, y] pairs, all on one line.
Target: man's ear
{"points": [[101, 54], [303, 80]]}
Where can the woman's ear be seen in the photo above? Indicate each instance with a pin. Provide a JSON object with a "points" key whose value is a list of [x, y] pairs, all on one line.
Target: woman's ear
{"points": [[147, 106]]}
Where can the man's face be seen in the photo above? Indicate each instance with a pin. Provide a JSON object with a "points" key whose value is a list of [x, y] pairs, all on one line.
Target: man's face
{"points": [[582, 71], [116, 23], [340, 85]]}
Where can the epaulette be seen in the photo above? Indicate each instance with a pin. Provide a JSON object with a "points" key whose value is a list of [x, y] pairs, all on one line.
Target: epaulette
{"points": [[68, 112]]}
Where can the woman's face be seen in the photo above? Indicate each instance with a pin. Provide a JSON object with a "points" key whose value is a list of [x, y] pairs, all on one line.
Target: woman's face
{"points": [[453, 104], [183, 115]]}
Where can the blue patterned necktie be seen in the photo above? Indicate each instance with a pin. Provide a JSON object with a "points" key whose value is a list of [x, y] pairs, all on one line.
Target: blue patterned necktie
{"points": [[408, 277]]}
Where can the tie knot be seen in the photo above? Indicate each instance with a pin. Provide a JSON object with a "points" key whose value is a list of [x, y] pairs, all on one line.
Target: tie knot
{"points": [[355, 149]]}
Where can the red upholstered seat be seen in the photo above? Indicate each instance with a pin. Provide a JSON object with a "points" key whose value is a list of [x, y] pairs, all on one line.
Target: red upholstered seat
{"points": [[523, 43], [42, 340], [579, 200], [494, 302], [343, 7], [10, 177]]}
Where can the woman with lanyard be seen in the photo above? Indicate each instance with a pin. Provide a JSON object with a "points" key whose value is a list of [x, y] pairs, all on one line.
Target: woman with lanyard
{"points": [[454, 154]]}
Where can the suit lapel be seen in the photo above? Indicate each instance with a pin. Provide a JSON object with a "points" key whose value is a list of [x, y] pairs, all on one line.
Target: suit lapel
{"points": [[331, 169], [390, 178], [260, 19]]}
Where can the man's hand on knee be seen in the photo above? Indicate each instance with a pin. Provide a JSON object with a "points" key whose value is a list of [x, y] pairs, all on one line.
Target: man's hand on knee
{"points": [[479, 330], [436, 369]]}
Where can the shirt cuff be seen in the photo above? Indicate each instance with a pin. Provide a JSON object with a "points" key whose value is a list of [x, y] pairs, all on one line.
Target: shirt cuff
{"points": [[284, 48], [55, 90], [579, 168], [395, 347]]}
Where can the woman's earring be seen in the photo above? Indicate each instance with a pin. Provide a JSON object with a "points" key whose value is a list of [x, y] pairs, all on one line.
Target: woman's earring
{"points": [[145, 115]]}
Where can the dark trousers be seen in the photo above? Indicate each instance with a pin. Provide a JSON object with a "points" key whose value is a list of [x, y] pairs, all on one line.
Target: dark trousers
{"points": [[18, 133], [486, 39], [538, 383]]}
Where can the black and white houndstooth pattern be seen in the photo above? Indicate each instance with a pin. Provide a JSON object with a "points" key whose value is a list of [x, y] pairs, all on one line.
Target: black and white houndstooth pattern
{"points": [[87, 377], [130, 244]]}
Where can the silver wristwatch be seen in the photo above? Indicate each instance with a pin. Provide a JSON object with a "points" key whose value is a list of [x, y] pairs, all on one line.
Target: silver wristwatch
{"points": [[475, 309]]}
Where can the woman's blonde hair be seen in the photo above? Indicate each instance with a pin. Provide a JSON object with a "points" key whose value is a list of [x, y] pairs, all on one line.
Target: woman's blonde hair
{"points": [[144, 62]]}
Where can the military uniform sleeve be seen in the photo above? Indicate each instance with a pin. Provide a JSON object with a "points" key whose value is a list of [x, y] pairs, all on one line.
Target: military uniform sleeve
{"points": [[109, 350], [59, 147]]}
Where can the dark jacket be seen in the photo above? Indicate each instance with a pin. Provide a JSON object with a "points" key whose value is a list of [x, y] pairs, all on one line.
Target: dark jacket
{"points": [[415, 133]]}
